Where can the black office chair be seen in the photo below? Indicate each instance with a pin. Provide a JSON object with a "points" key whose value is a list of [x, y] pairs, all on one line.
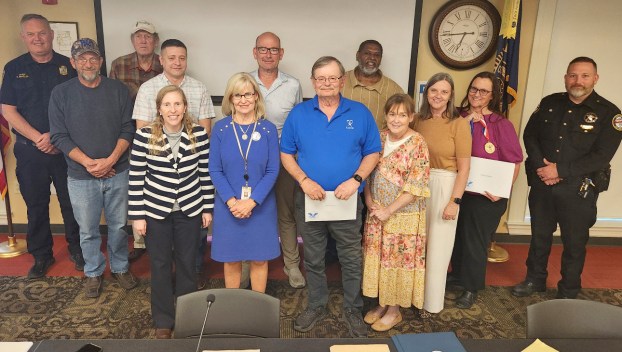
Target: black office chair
{"points": [[573, 318], [234, 313]]}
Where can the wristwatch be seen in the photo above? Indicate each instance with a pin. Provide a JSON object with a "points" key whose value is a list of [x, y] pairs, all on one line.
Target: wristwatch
{"points": [[358, 178], [458, 200]]}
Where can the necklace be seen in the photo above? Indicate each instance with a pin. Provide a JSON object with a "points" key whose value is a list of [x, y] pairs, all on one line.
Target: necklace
{"points": [[244, 133]]}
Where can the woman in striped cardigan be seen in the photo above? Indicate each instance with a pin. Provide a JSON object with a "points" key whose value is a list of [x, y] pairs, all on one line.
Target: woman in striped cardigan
{"points": [[172, 195]]}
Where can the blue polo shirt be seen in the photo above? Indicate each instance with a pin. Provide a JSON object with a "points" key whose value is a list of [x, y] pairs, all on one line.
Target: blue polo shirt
{"points": [[330, 152], [28, 84]]}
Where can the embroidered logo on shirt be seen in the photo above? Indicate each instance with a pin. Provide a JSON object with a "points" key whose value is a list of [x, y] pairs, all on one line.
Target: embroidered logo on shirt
{"points": [[63, 70], [350, 126], [22, 75]]}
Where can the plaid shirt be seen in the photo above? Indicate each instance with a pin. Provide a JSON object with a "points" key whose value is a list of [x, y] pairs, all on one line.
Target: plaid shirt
{"points": [[127, 70]]}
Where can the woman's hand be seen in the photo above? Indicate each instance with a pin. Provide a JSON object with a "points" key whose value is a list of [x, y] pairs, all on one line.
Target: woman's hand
{"points": [[381, 213], [451, 210], [139, 227], [242, 209], [206, 219]]}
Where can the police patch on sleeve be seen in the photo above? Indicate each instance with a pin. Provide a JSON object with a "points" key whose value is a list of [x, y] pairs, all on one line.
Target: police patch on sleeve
{"points": [[617, 122]]}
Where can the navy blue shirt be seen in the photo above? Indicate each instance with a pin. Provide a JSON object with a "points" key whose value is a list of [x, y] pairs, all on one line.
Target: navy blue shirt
{"points": [[28, 84], [330, 152]]}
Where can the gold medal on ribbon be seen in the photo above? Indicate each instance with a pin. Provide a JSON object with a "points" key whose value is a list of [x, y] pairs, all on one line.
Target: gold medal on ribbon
{"points": [[489, 147]]}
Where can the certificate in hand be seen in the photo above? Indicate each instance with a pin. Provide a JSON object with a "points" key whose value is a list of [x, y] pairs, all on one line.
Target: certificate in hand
{"points": [[331, 208], [492, 176]]}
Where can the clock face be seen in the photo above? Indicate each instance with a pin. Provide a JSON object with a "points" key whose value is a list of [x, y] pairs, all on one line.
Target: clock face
{"points": [[464, 36]]}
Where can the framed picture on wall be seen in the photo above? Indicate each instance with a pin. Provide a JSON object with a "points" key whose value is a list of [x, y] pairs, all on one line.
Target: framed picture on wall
{"points": [[65, 33]]}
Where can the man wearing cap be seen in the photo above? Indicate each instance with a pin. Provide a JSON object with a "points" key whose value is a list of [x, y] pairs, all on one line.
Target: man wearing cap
{"points": [[26, 87], [367, 84], [133, 70], [91, 123], [143, 64]]}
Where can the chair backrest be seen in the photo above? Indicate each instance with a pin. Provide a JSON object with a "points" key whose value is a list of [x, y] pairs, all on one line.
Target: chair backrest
{"points": [[235, 312], [573, 318]]}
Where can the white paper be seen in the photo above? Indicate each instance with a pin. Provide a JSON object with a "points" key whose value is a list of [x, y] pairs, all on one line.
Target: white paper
{"points": [[330, 208], [15, 346], [492, 176]]}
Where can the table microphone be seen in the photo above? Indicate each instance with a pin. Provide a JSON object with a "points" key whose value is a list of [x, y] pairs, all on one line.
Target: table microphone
{"points": [[210, 299]]}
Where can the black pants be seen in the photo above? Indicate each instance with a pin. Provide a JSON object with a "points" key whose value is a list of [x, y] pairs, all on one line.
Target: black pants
{"points": [[175, 239], [560, 204], [477, 222], [35, 172]]}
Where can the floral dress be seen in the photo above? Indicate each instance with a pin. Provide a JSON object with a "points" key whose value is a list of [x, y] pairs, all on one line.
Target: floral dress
{"points": [[394, 251]]}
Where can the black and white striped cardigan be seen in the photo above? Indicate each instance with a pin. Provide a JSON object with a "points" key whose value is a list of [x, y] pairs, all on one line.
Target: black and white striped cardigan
{"points": [[156, 181]]}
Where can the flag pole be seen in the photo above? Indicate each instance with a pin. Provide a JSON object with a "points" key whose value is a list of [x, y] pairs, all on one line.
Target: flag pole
{"points": [[12, 247]]}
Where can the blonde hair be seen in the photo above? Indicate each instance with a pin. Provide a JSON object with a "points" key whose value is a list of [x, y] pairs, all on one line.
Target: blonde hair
{"points": [[157, 126], [236, 83]]}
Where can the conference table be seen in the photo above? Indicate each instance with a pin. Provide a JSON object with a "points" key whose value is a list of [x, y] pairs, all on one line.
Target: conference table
{"points": [[312, 345]]}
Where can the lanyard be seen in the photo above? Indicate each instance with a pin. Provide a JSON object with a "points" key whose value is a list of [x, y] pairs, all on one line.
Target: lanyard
{"points": [[248, 148]]}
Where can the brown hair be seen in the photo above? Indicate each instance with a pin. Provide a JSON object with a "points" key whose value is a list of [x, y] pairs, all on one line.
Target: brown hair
{"points": [[157, 126]]}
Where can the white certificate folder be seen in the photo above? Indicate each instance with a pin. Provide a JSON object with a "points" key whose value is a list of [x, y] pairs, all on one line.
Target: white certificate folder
{"points": [[330, 208], [492, 176]]}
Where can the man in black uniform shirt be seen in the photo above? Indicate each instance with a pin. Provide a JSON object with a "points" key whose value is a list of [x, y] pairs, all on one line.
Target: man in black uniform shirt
{"points": [[26, 88], [570, 140]]}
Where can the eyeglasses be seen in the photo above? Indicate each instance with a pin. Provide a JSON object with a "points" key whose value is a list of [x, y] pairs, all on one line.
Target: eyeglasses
{"points": [[264, 50], [394, 115], [331, 79], [238, 96], [93, 60], [482, 92]]}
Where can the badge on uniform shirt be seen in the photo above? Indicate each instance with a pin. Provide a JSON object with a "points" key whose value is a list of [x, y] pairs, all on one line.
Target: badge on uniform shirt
{"points": [[590, 117], [617, 122], [586, 128], [62, 70]]}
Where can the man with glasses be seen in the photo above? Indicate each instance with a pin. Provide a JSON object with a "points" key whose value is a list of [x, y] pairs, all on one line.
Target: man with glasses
{"points": [[336, 142], [367, 84], [280, 92], [133, 70], [26, 88], [91, 123], [173, 57]]}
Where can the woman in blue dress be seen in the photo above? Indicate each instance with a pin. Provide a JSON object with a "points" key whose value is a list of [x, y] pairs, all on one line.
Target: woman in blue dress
{"points": [[244, 165]]}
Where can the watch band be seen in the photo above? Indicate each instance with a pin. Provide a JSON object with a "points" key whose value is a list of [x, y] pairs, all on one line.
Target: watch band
{"points": [[457, 200], [358, 178]]}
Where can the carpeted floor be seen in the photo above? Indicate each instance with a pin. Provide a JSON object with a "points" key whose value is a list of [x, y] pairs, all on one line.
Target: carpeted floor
{"points": [[55, 308]]}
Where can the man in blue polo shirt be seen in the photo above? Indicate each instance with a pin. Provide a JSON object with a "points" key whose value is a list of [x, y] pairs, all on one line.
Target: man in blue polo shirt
{"points": [[337, 143], [26, 88]]}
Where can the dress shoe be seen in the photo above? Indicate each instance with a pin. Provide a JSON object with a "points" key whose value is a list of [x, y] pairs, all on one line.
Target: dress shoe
{"points": [[163, 333], [40, 268], [296, 279], [466, 300], [562, 295], [373, 315], [78, 261], [380, 326], [136, 253], [527, 288]]}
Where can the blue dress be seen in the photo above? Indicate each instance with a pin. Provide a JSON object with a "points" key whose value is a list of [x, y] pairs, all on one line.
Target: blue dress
{"points": [[255, 238]]}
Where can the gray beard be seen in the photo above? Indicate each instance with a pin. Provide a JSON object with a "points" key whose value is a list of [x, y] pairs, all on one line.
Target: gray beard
{"points": [[368, 72]]}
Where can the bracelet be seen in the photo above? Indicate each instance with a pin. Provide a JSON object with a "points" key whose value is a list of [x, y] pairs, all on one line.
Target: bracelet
{"points": [[303, 180], [235, 201]]}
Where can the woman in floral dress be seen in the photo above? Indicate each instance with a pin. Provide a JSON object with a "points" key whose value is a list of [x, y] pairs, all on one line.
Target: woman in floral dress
{"points": [[394, 240]]}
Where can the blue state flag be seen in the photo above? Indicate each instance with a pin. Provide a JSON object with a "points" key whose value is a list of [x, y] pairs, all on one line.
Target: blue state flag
{"points": [[506, 59]]}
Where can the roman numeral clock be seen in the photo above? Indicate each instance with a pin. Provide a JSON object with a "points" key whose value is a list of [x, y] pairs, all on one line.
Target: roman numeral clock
{"points": [[463, 33]]}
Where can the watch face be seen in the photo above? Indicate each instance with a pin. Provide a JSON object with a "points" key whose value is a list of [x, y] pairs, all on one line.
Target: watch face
{"points": [[464, 36]]}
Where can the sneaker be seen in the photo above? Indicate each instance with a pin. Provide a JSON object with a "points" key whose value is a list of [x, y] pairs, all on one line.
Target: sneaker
{"points": [[40, 268], [78, 261], [354, 320], [126, 280], [296, 280], [135, 254], [93, 286], [307, 319]]}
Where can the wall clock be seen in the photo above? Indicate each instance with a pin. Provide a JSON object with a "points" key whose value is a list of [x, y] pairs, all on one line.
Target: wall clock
{"points": [[464, 33]]}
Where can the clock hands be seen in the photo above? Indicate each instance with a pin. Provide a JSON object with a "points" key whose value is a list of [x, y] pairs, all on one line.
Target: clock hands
{"points": [[463, 33]]}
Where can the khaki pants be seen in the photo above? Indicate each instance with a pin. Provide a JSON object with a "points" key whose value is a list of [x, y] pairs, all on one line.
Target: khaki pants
{"points": [[285, 190]]}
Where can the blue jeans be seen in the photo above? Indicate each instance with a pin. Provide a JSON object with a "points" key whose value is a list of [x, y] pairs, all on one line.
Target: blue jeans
{"points": [[88, 197]]}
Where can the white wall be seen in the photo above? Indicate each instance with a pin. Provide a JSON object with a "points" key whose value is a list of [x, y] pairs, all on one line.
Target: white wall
{"points": [[220, 35]]}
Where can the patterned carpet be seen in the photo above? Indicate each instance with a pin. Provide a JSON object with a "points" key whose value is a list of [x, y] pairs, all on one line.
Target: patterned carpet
{"points": [[56, 308]]}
